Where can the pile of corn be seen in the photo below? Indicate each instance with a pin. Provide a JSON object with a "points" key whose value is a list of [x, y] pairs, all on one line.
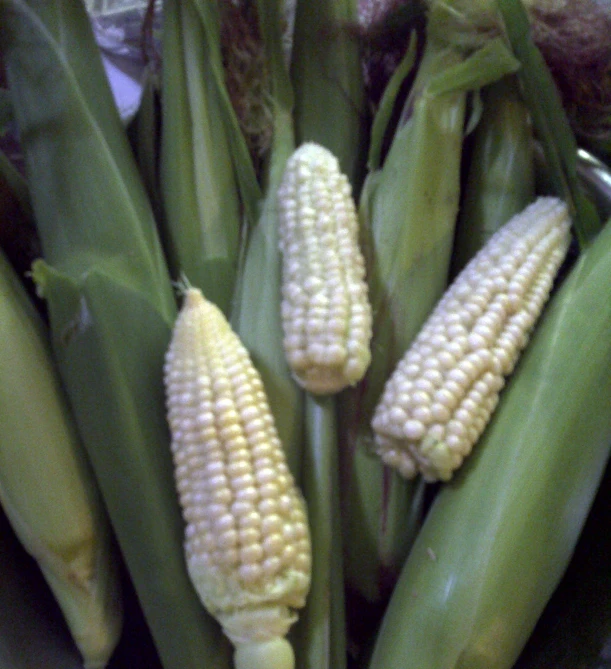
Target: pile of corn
{"points": [[326, 384]]}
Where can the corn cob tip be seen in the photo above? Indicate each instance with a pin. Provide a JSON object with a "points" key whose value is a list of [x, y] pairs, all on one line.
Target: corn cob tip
{"points": [[247, 541], [442, 394], [326, 315]]}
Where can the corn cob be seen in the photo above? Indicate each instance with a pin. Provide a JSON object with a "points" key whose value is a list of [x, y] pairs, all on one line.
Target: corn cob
{"points": [[326, 315], [46, 486], [247, 540], [443, 392], [499, 536]]}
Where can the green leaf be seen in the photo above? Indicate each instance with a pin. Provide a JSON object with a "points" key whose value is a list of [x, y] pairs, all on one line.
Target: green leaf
{"points": [[320, 635], [486, 65], [326, 72], [550, 122], [6, 110], [111, 304], [201, 197]]}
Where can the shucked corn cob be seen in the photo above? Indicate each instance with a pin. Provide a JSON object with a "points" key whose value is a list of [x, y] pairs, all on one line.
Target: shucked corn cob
{"points": [[326, 314], [498, 538], [247, 540], [443, 392]]}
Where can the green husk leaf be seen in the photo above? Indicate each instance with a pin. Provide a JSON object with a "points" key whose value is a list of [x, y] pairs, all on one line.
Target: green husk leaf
{"points": [[6, 110], [255, 314], [144, 133], [203, 215], [500, 178], [326, 74], [408, 211], [486, 65], [114, 368], [575, 627], [320, 635], [16, 183], [381, 120], [550, 121], [47, 487], [110, 301], [250, 192]]}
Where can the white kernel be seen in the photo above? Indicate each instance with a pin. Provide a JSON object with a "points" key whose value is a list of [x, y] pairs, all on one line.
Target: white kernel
{"points": [[249, 535], [422, 414], [270, 524], [454, 443], [243, 482], [224, 523], [271, 565], [458, 376], [285, 503], [273, 544], [440, 412], [269, 490], [397, 415], [249, 519], [265, 475], [250, 572], [413, 430], [249, 494], [411, 371], [288, 554], [217, 481], [227, 539], [268, 506], [419, 397], [223, 404], [476, 341], [424, 385], [238, 468], [445, 398], [434, 377], [253, 553]]}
